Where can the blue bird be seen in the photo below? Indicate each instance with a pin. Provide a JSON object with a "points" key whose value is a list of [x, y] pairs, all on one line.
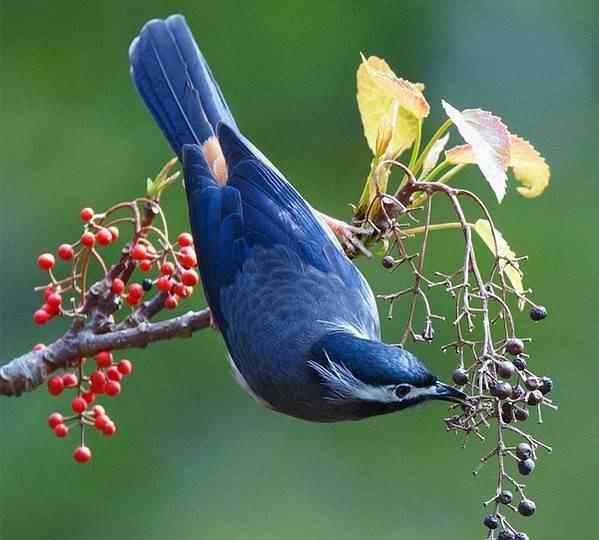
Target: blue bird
{"points": [[299, 320]]}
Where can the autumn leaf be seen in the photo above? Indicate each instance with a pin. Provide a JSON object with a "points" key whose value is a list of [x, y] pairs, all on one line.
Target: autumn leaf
{"points": [[379, 91], [490, 143], [507, 262], [529, 167]]}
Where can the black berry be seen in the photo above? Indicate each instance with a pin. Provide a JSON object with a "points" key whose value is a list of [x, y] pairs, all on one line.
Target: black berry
{"points": [[526, 466], [534, 398], [518, 392], [523, 450], [505, 369], [546, 385], [491, 522], [514, 346], [507, 413], [527, 507], [521, 536], [519, 363], [502, 390], [388, 261], [538, 313], [521, 414], [459, 376], [506, 534], [505, 497], [146, 284], [532, 383]]}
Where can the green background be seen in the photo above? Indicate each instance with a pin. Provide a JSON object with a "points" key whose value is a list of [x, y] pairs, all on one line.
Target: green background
{"points": [[194, 456]]}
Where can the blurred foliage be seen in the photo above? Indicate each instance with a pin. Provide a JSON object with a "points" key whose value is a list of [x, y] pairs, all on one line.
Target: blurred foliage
{"points": [[195, 457]]}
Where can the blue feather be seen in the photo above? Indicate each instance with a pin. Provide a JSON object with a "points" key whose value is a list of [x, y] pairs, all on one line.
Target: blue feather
{"points": [[176, 84]]}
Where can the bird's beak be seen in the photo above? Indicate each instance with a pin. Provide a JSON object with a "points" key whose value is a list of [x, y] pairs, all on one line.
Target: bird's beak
{"points": [[448, 393]]}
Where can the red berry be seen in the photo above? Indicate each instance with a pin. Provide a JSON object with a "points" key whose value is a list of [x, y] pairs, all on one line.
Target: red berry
{"points": [[167, 268], [135, 289], [65, 251], [55, 385], [109, 428], [187, 257], [69, 380], [145, 265], [125, 367], [98, 410], [54, 419], [138, 252], [185, 239], [54, 300], [51, 310], [86, 214], [118, 286], [61, 430], [114, 374], [45, 261], [89, 397], [164, 284], [100, 421], [104, 237], [82, 454], [78, 405], [38, 347], [48, 291], [182, 291], [41, 316], [97, 380], [133, 300], [113, 388], [114, 232], [190, 278], [103, 359], [170, 302], [88, 239]]}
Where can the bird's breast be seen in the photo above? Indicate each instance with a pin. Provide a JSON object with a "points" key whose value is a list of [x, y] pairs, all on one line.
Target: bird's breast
{"points": [[276, 308]]}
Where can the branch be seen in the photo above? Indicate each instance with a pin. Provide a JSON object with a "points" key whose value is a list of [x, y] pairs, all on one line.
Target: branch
{"points": [[30, 370]]}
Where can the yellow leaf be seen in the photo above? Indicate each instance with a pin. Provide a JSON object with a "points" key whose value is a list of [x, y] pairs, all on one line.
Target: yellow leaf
{"points": [[507, 262], [529, 167], [378, 89]]}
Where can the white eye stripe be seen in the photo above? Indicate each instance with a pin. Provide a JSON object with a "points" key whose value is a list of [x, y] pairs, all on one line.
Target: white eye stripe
{"points": [[345, 385]]}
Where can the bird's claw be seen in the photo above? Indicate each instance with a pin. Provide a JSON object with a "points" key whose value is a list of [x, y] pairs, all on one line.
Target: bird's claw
{"points": [[348, 236]]}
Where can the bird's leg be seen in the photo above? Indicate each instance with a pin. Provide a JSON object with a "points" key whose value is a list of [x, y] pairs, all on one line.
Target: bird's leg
{"points": [[348, 235]]}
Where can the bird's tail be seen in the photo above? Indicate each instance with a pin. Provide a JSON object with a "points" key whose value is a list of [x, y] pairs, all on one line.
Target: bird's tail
{"points": [[177, 86]]}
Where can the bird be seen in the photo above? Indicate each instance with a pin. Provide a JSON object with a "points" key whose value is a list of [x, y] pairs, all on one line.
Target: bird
{"points": [[299, 320]]}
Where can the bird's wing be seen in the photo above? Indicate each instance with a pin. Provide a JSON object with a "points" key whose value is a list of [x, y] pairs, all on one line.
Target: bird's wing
{"points": [[257, 211]]}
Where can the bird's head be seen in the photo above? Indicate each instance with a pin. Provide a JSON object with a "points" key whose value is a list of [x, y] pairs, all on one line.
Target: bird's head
{"points": [[368, 377]]}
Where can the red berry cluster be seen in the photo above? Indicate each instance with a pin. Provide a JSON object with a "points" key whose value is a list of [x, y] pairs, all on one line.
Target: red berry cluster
{"points": [[105, 379], [147, 250], [174, 264], [176, 277]]}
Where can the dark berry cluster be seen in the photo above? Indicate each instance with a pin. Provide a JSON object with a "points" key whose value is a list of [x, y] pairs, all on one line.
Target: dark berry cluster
{"points": [[106, 379], [509, 391]]}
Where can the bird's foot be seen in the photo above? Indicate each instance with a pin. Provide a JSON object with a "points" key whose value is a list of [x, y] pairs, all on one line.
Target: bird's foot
{"points": [[348, 236]]}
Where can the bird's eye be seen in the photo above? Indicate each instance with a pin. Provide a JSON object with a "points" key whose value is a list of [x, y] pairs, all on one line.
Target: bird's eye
{"points": [[402, 390]]}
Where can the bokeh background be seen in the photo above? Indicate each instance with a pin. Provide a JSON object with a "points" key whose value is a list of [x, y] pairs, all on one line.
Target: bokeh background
{"points": [[194, 456]]}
